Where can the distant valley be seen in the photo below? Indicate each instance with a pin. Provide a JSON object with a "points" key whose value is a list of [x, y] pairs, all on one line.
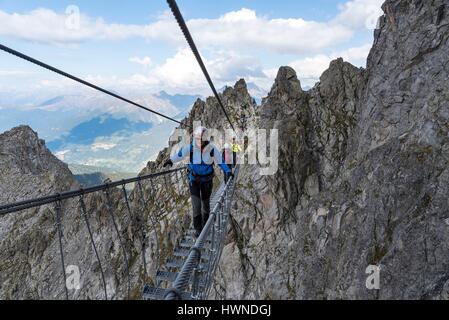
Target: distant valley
{"points": [[86, 128]]}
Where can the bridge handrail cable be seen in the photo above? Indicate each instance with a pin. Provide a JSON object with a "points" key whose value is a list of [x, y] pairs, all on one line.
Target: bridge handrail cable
{"points": [[37, 202]]}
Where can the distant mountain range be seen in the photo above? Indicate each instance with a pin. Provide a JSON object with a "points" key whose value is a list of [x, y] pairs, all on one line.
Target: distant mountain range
{"points": [[52, 101], [89, 176], [97, 130], [92, 129], [182, 102]]}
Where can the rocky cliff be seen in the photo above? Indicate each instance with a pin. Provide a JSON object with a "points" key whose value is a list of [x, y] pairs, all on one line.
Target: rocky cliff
{"points": [[30, 266], [363, 175], [363, 180]]}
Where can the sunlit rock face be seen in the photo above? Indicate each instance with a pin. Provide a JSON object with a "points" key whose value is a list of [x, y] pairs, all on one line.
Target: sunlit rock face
{"points": [[363, 176]]}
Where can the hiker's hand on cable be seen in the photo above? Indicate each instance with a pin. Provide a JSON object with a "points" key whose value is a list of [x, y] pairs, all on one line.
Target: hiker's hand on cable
{"points": [[168, 163]]}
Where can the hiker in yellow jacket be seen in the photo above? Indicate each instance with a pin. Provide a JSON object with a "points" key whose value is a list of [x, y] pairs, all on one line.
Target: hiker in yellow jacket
{"points": [[235, 149]]}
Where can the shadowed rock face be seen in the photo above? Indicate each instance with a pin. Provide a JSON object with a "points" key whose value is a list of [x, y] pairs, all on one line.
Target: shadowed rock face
{"points": [[25, 161], [363, 180]]}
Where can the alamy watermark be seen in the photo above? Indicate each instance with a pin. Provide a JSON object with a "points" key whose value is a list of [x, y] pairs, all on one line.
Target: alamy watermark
{"points": [[373, 279], [73, 18], [73, 278], [256, 146]]}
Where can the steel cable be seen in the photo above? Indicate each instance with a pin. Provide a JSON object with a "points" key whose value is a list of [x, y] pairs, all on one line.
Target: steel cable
{"points": [[61, 252], [132, 216], [154, 222], [193, 259], [122, 245], [142, 232], [86, 83], [37, 202], [185, 30], [86, 220]]}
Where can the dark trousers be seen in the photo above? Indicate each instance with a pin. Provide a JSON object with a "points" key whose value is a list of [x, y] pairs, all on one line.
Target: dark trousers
{"points": [[200, 193]]}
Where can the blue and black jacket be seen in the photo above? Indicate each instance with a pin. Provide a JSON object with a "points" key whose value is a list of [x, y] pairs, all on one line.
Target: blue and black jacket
{"points": [[201, 162]]}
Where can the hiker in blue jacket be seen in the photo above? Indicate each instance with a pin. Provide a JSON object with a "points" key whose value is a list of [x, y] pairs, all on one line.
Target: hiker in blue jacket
{"points": [[202, 155]]}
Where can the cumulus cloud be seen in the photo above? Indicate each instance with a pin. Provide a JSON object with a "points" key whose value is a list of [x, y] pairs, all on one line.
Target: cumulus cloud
{"points": [[15, 73], [310, 68], [181, 73], [102, 146], [47, 26], [177, 74], [242, 29], [360, 13], [61, 154], [229, 42], [183, 70], [356, 55], [145, 61]]}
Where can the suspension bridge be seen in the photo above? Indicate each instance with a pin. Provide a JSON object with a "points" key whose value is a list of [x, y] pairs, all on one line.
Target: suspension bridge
{"points": [[188, 274]]}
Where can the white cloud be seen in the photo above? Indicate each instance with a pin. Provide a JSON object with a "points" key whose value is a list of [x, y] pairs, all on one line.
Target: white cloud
{"points": [[15, 73], [58, 83], [242, 29], [102, 146], [360, 13], [182, 70], [239, 16], [47, 26], [145, 61], [356, 55], [61, 154], [181, 73], [311, 68], [233, 33]]}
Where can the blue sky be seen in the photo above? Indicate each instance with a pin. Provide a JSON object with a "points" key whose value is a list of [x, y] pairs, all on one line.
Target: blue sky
{"points": [[137, 44], [140, 11]]}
